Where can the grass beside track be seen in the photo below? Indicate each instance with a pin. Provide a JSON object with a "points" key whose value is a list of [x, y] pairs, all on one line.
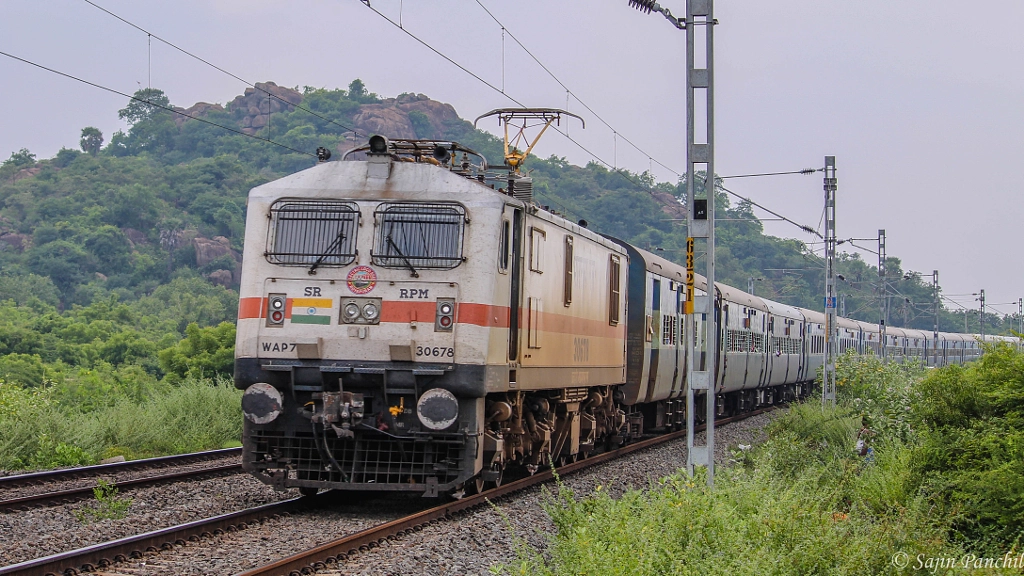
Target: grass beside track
{"points": [[938, 493], [39, 430]]}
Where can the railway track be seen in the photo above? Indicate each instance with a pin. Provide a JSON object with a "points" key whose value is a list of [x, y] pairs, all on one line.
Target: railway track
{"points": [[73, 494], [100, 556], [20, 482], [103, 555], [47, 476]]}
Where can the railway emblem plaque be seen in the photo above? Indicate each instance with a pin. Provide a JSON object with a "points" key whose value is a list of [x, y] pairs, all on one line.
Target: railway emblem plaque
{"points": [[362, 280]]}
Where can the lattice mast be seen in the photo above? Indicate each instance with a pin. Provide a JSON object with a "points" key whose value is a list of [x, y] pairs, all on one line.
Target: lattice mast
{"points": [[700, 221], [883, 296], [828, 378]]}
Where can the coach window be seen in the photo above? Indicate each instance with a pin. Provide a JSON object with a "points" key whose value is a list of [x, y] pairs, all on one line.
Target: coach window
{"points": [[614, 290], [537, 237], [418, 235], [503, 245], [567, 289]]}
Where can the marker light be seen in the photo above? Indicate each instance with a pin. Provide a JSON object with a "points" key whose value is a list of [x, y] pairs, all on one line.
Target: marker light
{"points": [[276, 304], [444, 319]]}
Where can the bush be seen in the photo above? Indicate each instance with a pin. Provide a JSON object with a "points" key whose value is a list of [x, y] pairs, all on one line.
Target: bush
{"points": [[971, 456], [46, 427], [205, 352]]}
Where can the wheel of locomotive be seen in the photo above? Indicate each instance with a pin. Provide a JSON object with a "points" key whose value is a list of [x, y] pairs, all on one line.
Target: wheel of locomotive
{"points": [[567, 459], [498, 479], [308, 491], [475, 485]]}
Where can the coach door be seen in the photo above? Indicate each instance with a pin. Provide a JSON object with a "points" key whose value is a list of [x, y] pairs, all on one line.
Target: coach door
{"points": [[517, 282]]}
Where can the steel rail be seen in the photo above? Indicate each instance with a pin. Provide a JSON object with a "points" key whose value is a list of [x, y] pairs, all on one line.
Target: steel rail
{"points": [[72, 494], [106, 553], [19, 480], [339, 550]]}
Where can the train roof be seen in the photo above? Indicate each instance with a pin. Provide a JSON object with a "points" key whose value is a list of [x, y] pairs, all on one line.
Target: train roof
{"points": [[779, 309]]}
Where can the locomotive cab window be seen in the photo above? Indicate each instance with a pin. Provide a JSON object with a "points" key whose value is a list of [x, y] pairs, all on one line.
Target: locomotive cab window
{"points": [[567, 287], [537, 237], [504, 246], [312, 233], [415, 235], [614, 290]]}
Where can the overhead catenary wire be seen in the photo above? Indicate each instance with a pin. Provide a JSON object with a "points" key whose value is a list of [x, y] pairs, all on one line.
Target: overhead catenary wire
{"points": [[149, 103], [569, 92], [222, 70], [621, 173]]}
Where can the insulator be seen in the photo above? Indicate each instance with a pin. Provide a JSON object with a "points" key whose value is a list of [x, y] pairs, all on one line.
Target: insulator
{"points": [[644, 6]]}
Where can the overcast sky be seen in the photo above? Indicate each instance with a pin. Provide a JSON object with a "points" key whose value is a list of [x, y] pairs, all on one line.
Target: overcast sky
{"points": [[920, 101]]}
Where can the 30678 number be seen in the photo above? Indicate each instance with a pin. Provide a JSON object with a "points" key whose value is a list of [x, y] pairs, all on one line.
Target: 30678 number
{"points": [[436, 351]]}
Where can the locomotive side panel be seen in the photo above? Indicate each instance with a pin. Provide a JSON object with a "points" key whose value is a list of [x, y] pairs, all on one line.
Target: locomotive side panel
{"points": [[572, 333]]}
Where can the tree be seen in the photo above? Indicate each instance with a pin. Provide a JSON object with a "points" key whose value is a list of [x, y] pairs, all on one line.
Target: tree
{"points": [[64, 262], [92, 140], [356, 89], [203, 353], [18, 160], [145, 103]]}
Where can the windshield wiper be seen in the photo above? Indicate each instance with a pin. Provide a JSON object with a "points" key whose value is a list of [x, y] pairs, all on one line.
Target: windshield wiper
{"points": [[407, 263], [337, 242]]}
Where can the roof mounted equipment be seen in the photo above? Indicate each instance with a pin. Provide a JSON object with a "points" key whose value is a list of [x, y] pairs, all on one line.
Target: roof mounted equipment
{"points": [[520, 119]]}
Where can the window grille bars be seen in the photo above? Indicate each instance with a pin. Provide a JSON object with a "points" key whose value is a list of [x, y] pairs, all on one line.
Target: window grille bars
{"points": [[415, 235], [312, 233]]}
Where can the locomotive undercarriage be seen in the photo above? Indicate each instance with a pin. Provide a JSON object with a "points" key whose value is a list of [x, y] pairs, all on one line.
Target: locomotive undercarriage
{"points": [[534, 429], [363, 431]]}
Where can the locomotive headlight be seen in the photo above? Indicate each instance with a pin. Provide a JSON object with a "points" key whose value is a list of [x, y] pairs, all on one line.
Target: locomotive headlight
{"points": [[351, 312], [370, 311]]}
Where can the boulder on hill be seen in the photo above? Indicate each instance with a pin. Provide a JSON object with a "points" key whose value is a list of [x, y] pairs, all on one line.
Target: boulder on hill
{"points": [[258, 105], [208, 250], [16, 242], [223, 278], [196, 110]]}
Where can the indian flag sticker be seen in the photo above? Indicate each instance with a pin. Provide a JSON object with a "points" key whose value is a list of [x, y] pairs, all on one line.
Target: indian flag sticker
{"points": [[311, 310]]}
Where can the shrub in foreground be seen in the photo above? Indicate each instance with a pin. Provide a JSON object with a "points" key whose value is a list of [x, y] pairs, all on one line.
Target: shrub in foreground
{"points": [[39, 430]]}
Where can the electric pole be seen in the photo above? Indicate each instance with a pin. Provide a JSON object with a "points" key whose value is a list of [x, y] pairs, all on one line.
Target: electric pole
{"points": [[750, 284], [700, 220], [882, 294], [700, 223], [981, 298], [828, 380], [1020, 315], [935, 326]]}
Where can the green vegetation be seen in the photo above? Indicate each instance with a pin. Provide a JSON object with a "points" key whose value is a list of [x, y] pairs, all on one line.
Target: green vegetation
{"points": [[50, 426], [108, 506], [943, 479]]}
